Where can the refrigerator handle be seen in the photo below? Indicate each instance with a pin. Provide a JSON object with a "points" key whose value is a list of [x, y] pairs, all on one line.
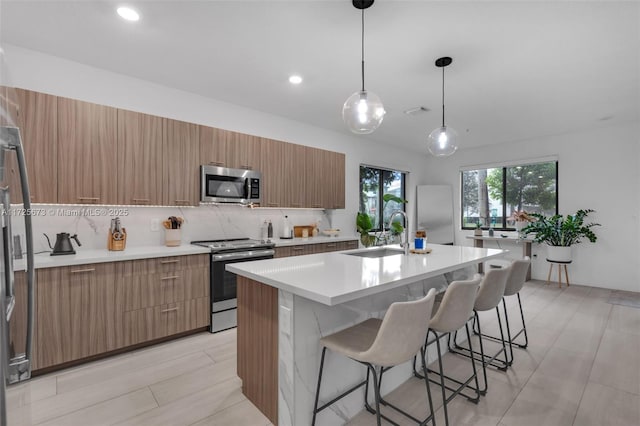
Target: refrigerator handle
{"points": [[20, 367], [7, 242]]}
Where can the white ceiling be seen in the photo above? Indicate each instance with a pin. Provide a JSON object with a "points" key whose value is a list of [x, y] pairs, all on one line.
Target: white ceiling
{"points": [[520, 69]]}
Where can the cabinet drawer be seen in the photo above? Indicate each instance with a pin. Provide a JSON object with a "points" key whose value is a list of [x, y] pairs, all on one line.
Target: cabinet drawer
{"points": [[165, 320], [140, 291], [144, 267], [348, 245]]}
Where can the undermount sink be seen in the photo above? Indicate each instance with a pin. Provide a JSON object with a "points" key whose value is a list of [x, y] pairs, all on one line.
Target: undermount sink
{"points": [[381, 252]]}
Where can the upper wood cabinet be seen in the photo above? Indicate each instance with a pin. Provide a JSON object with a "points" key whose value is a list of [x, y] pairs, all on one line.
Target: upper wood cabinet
{"points": [[243, 151], [36, 115], [181, 163], [213, 146], [335, 198], [139, 158], [274, 173], [86, 157], [295, 180]]}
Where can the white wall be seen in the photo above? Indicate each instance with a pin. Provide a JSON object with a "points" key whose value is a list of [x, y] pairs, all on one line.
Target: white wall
{"points": [[598, 169], [44, 73]]}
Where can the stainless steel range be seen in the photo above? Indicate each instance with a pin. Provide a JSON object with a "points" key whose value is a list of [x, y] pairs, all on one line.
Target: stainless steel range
{"points": [[223, 284]]}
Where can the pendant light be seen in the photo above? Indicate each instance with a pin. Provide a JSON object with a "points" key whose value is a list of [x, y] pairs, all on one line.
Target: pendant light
{"points": [[363, 111], [443, 141]]}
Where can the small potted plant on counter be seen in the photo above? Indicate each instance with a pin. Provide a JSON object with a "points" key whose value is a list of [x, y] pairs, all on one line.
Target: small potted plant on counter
{"points": [[560, 233], [364, 225]]}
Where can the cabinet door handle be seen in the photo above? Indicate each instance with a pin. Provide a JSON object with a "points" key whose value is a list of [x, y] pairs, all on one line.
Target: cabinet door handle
{"points": [[316, 206], [272, 204], [164, 311], [216, 163], [172, 277], [79, 271], [164, 262], [181, 202], [331, 245], [297, 248], [89, 198], [140, 200]]}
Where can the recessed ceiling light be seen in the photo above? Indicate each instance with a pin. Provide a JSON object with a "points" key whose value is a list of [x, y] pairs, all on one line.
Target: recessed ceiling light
{"points": [[295, 79], [128, 14]]}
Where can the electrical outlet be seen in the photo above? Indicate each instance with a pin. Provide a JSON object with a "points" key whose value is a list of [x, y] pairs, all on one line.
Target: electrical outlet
{"points": [[155, 225]]}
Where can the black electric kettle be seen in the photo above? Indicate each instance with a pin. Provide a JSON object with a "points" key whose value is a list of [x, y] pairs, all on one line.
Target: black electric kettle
{"points": [[63, 244]]}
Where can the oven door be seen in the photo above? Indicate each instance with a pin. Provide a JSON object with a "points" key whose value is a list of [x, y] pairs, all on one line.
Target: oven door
{"points": [[224, 283]]}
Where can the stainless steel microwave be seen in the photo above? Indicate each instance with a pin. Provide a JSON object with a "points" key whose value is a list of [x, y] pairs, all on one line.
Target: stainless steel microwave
{"points": [[223, 185]]}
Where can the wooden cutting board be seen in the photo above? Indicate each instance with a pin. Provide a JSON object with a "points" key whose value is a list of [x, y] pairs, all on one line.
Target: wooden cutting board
{"points": [[420, 251]]}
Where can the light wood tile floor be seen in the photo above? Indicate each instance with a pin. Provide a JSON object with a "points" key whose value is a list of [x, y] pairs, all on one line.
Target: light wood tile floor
{"points": [[582, 368]]}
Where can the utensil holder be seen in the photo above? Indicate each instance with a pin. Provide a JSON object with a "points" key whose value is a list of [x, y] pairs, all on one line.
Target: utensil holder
{"points": [[172, 237]]}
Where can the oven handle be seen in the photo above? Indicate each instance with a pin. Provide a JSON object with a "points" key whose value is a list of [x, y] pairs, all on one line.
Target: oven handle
{"points": [[241, 255]]}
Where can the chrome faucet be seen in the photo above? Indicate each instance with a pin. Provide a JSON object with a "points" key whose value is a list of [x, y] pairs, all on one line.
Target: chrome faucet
{"points": [[405, 244]]}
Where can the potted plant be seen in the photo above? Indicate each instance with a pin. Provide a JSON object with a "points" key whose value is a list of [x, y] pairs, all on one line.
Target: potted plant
{"points": [[478, 231], [560, 233], [364, 224]]}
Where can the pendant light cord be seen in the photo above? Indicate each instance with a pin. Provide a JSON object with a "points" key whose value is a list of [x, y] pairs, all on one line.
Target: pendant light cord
{"points": [[443, 96], [362, 39]]}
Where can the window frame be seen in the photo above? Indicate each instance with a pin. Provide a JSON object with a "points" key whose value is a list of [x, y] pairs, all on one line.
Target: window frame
{"points": [[380, 210], [504, 167]]}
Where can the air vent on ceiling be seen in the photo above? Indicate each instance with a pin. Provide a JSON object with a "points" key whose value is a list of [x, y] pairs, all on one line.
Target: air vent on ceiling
{"points": [[416, 110]]}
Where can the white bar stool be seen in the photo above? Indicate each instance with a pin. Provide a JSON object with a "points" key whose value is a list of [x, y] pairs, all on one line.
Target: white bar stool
{"points": [[382, 343], [489, 296], [515, 282], [453, 313]]}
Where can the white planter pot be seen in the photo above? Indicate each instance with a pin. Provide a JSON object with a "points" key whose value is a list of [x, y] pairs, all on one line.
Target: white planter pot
{"points": [[560, 254]]}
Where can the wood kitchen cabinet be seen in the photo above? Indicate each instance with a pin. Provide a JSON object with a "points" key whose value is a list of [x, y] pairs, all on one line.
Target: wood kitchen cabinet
{"points": [[325, 175], [313, 248], [36, 115], [75, 315], [181, 163], [275, 176], [86, 154], [161, 297], [295, 178], [213, 146], [244, 151], [139, 159]]}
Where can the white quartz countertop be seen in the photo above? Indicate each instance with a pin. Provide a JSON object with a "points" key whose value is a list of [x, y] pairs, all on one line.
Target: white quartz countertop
{"points": [[45, 260], [337, 277], [320, 239]]}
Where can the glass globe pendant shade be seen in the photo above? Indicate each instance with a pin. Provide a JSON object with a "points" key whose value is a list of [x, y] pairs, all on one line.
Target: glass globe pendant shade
{"points": [[363, 112], [443, 141]]}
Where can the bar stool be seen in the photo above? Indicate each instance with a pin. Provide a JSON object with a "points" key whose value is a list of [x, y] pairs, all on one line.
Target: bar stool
{"points": [[560, 264], [383, 343], [489, 296], [452, 314], [515, 282]]}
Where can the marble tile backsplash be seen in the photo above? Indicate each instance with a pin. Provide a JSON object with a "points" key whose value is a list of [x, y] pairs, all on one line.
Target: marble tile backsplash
{"points": [[92, 223]]}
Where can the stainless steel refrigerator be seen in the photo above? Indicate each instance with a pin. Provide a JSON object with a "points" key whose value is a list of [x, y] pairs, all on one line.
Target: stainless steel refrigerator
{"points": [[15, 367], [435, 212]]}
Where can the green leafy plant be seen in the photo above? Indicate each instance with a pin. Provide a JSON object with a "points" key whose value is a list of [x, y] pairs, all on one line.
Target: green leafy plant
{"points": [[561, 231], [364, 223]]}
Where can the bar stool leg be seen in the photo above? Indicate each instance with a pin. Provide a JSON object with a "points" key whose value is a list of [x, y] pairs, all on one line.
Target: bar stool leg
{"points": [[506, 319], [504, 348], [315, 406], [524, 326], [376, 391], [423, 354], [442, 385]]}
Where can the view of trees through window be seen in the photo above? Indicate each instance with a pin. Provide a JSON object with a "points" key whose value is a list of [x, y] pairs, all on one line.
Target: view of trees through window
{"points": [[491, 196], [374, 184]]}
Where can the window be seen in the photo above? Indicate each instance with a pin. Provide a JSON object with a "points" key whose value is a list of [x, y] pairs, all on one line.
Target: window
{"points": [[490, 196], [374, 184]]}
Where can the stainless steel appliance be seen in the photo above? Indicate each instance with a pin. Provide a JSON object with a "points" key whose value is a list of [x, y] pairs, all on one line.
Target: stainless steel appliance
{"points": [[223, 185], [435, 213], [223, 284], [14, 367]]}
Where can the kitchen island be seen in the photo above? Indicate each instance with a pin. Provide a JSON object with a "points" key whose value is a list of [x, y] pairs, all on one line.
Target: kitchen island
{"points": [[286, 305]]}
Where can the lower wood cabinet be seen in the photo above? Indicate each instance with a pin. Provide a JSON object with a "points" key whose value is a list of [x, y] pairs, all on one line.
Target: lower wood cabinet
{"points": [[87, 310], [303, 249]]}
